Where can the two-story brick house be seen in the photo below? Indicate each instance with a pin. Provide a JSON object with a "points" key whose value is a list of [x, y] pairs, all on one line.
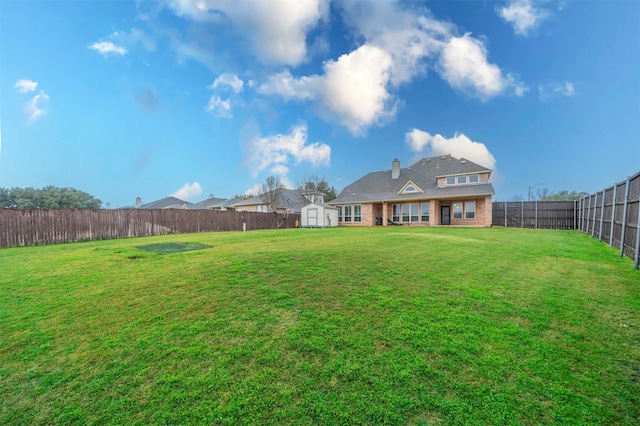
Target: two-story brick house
{"points": [[433, 191]]}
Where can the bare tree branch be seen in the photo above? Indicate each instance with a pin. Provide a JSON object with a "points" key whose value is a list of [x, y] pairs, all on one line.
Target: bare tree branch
{"points": [[270, 193]]}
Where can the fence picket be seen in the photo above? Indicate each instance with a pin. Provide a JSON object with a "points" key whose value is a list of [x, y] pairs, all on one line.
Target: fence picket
{"points": [[25, 227]]}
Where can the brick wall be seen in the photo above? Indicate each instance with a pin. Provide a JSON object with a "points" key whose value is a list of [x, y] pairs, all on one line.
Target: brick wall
{"points": [[483, 213]]}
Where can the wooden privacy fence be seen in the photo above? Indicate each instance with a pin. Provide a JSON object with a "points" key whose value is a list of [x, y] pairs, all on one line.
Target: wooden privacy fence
{"points": [[613, 216], [25, 227], [535, 214]]}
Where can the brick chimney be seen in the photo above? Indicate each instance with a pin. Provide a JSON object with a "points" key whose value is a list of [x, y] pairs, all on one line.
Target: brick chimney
{"points": [[395, 169]]}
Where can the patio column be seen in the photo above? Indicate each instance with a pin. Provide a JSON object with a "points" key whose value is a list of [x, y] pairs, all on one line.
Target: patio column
{"points": [[385, 217]]}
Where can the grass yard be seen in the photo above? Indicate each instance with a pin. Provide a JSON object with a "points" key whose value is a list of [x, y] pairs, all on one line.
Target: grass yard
{"points": [[391, 325]]}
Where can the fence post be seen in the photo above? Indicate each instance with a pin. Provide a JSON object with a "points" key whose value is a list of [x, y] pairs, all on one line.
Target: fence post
{"points": [[536, 224], [601, 216], [613, 215], [575, 211], [636, 257], [506, 223], [586, 230], [595, 209], [522, 214], [582, 214], [624, 216]]}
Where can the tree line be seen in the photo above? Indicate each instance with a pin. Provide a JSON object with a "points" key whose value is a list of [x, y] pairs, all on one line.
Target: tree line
{"points": [[49, 197], [544, 194]]}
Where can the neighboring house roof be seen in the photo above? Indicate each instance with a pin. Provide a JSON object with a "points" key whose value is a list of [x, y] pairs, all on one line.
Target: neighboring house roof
{"points": [[168, 203], [224, 203], [208, 203], [379, 186], [290, 199]]}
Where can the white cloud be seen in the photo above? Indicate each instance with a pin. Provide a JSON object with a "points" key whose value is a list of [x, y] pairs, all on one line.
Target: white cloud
{"points": [[106, 48], [274, 152], [549, 90], [34, 107], [277, 28], [117, 42], [229, 80], [26, 86], [288, 87], [409, 37], [222, 107], [523, 15], [188, 191], [219, 107], [352, 90], [464, 65], [459, 146], [357, 89], [133, 37]]}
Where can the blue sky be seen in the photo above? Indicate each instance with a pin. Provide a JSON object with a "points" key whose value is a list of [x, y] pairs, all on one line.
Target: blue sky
{"points": [[190, 98]]}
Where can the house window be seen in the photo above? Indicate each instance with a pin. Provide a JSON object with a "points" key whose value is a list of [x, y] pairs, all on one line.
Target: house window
{"points": [[405, 212], [457, 210], [425, 212], [410, 188], [357, 213], [347, 213], [395, 212], [462, 180], [451, 180], [469, 209], [474, 178], [414, 212], [339, 213]]}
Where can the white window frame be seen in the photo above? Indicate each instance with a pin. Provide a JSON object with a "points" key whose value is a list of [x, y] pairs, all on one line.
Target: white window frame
{"points": [[405, 212], [476, 176], [357, 213], [462, 180], [467, 211], [422, 211], [347, 213], [453, 180], [454, 206], [414, 217], [396, 210], [339, 213]]}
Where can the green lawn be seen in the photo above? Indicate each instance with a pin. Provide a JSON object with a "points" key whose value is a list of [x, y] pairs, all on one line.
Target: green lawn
{"points": [[391, 325]]}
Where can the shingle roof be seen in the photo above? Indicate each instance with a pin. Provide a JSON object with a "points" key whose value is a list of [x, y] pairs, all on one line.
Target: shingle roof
{"points": [[225, 203], [208, 203], [290, 199], [167, 203], [379, 186]]}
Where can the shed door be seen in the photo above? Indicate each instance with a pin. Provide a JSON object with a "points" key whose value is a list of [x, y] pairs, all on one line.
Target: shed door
{"points": [[312, 217]]}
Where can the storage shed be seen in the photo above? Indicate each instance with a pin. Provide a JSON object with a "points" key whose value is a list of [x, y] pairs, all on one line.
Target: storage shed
{"points": [[318, 216]]}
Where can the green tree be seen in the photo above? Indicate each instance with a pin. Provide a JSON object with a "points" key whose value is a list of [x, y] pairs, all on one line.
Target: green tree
{"points": [[49, 197], [242, 196], [544, 194]]}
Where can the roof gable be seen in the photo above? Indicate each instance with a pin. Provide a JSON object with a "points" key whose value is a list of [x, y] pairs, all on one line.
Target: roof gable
{"points": [[410, 188]]}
